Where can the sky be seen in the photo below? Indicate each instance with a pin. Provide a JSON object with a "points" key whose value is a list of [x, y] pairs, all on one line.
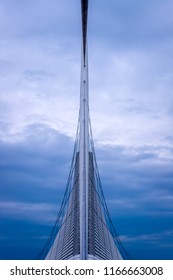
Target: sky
{"points": [[131, 108]]}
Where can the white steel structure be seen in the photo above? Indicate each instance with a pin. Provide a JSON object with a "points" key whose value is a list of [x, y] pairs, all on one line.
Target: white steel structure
{"points": [[83, 229]]}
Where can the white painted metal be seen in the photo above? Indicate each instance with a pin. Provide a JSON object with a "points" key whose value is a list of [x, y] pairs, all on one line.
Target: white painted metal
{"points": [[83, 158]]}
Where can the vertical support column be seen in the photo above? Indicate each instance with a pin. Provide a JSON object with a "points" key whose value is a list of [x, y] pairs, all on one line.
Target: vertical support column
{"points": [[84, 138], [83, 160]]}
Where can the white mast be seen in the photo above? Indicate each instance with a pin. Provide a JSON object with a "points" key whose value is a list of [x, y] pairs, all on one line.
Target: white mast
{"points": [[84, 138]]}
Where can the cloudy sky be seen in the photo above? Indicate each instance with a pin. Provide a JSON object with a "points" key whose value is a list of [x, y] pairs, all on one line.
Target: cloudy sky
{"points": [[131, 106]]}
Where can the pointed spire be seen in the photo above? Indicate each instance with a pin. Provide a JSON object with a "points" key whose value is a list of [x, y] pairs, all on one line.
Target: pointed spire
{"points": [[84, 9]]}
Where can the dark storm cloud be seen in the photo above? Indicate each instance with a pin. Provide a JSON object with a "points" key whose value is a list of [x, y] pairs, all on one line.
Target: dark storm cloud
{"points": [[33, 174], [29, 171], [140, 179]]}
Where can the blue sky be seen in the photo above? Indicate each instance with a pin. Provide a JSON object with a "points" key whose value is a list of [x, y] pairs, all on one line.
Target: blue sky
{"points": [[131, 104]]}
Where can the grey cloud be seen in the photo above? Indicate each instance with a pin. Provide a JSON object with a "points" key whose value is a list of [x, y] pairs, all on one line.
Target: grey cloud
{"points": [[137, 179], [152, 237], [39, 212], [37, 18], [133, 23], [37, 75], [5, 65], [35, 170]]}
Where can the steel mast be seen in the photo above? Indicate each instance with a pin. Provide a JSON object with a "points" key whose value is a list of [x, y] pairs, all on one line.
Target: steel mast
{"points": [[84, 138]]}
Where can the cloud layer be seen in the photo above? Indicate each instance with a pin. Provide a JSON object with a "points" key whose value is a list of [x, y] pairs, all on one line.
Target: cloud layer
{"points": [[131, 100]]}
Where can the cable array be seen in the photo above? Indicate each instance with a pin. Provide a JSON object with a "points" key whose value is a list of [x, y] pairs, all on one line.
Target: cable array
{"points": [[103, 240]]}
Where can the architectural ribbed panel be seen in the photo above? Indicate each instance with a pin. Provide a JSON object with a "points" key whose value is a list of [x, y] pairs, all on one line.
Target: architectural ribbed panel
{"points": [[67, 242], [100, 242]]}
